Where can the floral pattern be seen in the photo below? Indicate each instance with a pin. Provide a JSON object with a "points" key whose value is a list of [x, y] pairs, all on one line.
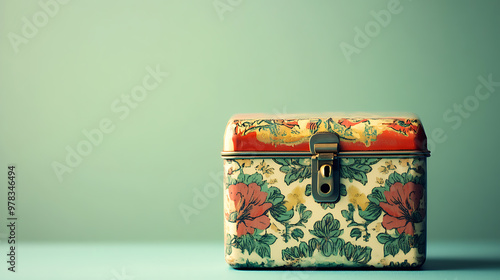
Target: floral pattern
{"points": [[402, 207], [250, 207], [268, 132], [272, 220]]}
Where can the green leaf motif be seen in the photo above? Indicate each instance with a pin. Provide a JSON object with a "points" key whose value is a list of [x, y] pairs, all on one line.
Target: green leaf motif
{"points": [[331, 225], [347, 214], [281, 161], [384, 238], [338, 245], [357, 168], [241, 177], [263, 250], [326, 205], [247, 242], [356, 253], [355, 233], [268, 239], [232, 217], [260, 244], [327, 222], [327, 247], [304, 214], [229, 246], [391, 248], [420, 242], [313, 244], [323, 228], [304, 249], [317, 233], [230, 181], [350, 207], [371, 213], [295, 169], [333, 246], [393, 244], [395, 177], [274, 196], [377, 195], [348, 250], [328, 232], [286, 254], [291, 253], [254, 178], [404, 243], [343, 190], [304, 217], [280, 213], [308, 190], [296, 252], [301, 208], [297, 233], [370, 161], [328, 241]]}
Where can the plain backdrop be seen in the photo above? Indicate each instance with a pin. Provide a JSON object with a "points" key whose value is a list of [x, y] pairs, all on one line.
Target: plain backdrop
{"points": [[67, 67]]}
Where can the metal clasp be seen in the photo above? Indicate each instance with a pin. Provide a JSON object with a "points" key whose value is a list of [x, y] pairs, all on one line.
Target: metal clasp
{"points": [[325, 167]]}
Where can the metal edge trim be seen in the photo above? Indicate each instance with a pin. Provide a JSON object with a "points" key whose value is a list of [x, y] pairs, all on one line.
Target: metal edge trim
{"points": [[395, 154]]}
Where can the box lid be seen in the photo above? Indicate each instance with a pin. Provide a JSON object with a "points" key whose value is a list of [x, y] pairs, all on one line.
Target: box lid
{"points": [[291, 133]]}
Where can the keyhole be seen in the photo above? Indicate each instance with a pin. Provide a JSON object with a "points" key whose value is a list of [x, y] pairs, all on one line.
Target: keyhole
{"points": [[326, 170], [325, 188]]}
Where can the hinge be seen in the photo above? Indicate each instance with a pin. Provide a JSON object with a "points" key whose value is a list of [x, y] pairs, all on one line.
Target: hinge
{"points": [[325, 169]]}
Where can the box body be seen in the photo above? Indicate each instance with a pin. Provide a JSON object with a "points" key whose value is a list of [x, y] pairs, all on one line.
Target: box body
{"points": [[272, 219]]}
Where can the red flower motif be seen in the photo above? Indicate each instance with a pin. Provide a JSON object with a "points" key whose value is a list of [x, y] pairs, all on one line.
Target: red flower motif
{"points": [[402, 207], [348, 123], [404, 126], [312, 126], [250, 208]]}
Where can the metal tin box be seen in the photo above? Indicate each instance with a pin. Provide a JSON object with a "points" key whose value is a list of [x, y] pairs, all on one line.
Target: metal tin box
{"points": [[325, 191]]}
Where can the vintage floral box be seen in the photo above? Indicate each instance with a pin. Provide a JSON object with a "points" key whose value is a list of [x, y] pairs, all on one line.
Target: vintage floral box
{"points": [[325, 190]]}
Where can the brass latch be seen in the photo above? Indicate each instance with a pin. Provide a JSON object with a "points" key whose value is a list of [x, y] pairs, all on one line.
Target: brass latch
{"points": [[325, 167]]}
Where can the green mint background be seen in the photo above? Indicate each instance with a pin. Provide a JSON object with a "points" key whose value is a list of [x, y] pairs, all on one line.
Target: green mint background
{"points": [[260, 56]]}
